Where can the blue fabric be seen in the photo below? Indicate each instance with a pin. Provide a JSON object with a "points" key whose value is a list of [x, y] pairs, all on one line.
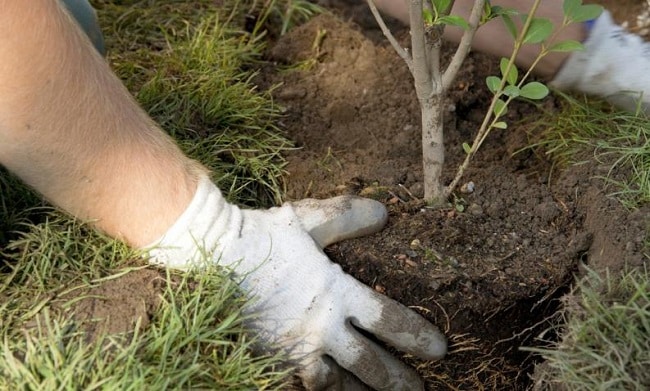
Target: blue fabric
{"points": [[85, 15], [590, 24]]}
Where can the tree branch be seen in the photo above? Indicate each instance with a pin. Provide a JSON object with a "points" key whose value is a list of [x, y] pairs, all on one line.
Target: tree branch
{"points": [[421, 75], [384, 29], [488, 121], [464, 46]]}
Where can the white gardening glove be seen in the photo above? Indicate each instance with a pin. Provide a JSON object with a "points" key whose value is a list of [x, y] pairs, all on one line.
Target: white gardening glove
{"points": [[303, 303], [615, 65]]}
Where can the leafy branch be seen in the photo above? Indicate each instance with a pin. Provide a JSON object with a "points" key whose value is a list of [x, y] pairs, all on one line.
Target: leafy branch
{"points": [[428, 20]]}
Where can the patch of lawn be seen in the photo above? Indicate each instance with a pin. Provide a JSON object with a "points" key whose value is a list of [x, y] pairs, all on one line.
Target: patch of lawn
{"points": [[194, 340], [605, 336], [191, 65], [17, 206], [582, 131], [604, 330]]}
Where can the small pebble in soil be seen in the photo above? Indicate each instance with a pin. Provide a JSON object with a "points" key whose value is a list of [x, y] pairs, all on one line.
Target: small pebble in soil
{"points": [[369, 192], [410, 263], [415, 244], [467, 188], [475, 209], [547, 211], [417, 190], [295, 92], [341, 188]]}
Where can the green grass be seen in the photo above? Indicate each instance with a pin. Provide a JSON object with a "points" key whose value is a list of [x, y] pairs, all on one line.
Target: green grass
{"points": [[289, 13], [17, 205], [604, 330], [195, 339], [191, 66], [605, 336], [583, 132]]}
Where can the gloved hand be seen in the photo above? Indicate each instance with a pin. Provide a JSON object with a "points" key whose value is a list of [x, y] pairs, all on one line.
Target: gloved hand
{"points": [[303, 302], [614, 65]]}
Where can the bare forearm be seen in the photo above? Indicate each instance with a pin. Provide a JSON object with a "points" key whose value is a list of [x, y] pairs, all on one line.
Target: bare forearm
{"points": [[493, 38], [70, 129]]}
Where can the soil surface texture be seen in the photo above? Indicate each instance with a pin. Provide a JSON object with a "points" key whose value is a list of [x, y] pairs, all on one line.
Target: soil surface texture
{"points": [[489, 276]]}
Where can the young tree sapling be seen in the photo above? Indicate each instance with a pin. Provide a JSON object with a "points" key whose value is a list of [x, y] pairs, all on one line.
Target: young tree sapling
{"points": [[428, 20]]}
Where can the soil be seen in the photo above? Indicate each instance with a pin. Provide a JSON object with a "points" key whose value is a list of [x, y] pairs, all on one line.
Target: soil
{"points": [[490, 275]]}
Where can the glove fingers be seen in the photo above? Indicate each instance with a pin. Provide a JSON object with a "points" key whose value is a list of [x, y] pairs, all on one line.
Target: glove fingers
{"points": [[335, 219], [396, 325], [372, 364], [325, 374]]}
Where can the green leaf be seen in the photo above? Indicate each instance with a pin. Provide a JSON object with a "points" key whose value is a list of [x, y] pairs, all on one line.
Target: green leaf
{"points": [[534, 90], [441, 5], [427, 15], [569, 7], [575, 12], [500, 108], [467, 148], [500, 125], [512, 75], [493, 83], [538, 31], [511, 91], [454, 20], [487, 12], [510, 25], [494, 11], [567, 46], [586, 12], [501, 11]]}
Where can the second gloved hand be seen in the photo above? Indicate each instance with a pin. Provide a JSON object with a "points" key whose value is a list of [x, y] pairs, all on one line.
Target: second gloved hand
{"points": [[303, 303], [615, 65]]}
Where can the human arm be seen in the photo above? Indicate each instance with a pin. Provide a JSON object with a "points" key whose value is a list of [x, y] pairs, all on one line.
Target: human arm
{"points": [[71, 130]]}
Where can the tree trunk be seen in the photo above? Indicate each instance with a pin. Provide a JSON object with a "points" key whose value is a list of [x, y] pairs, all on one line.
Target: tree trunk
{"points": [[433, 150], [427, 76]]}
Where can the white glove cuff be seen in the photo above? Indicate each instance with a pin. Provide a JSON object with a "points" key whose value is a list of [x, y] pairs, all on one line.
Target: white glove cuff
{"points": [[206, 225]]}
